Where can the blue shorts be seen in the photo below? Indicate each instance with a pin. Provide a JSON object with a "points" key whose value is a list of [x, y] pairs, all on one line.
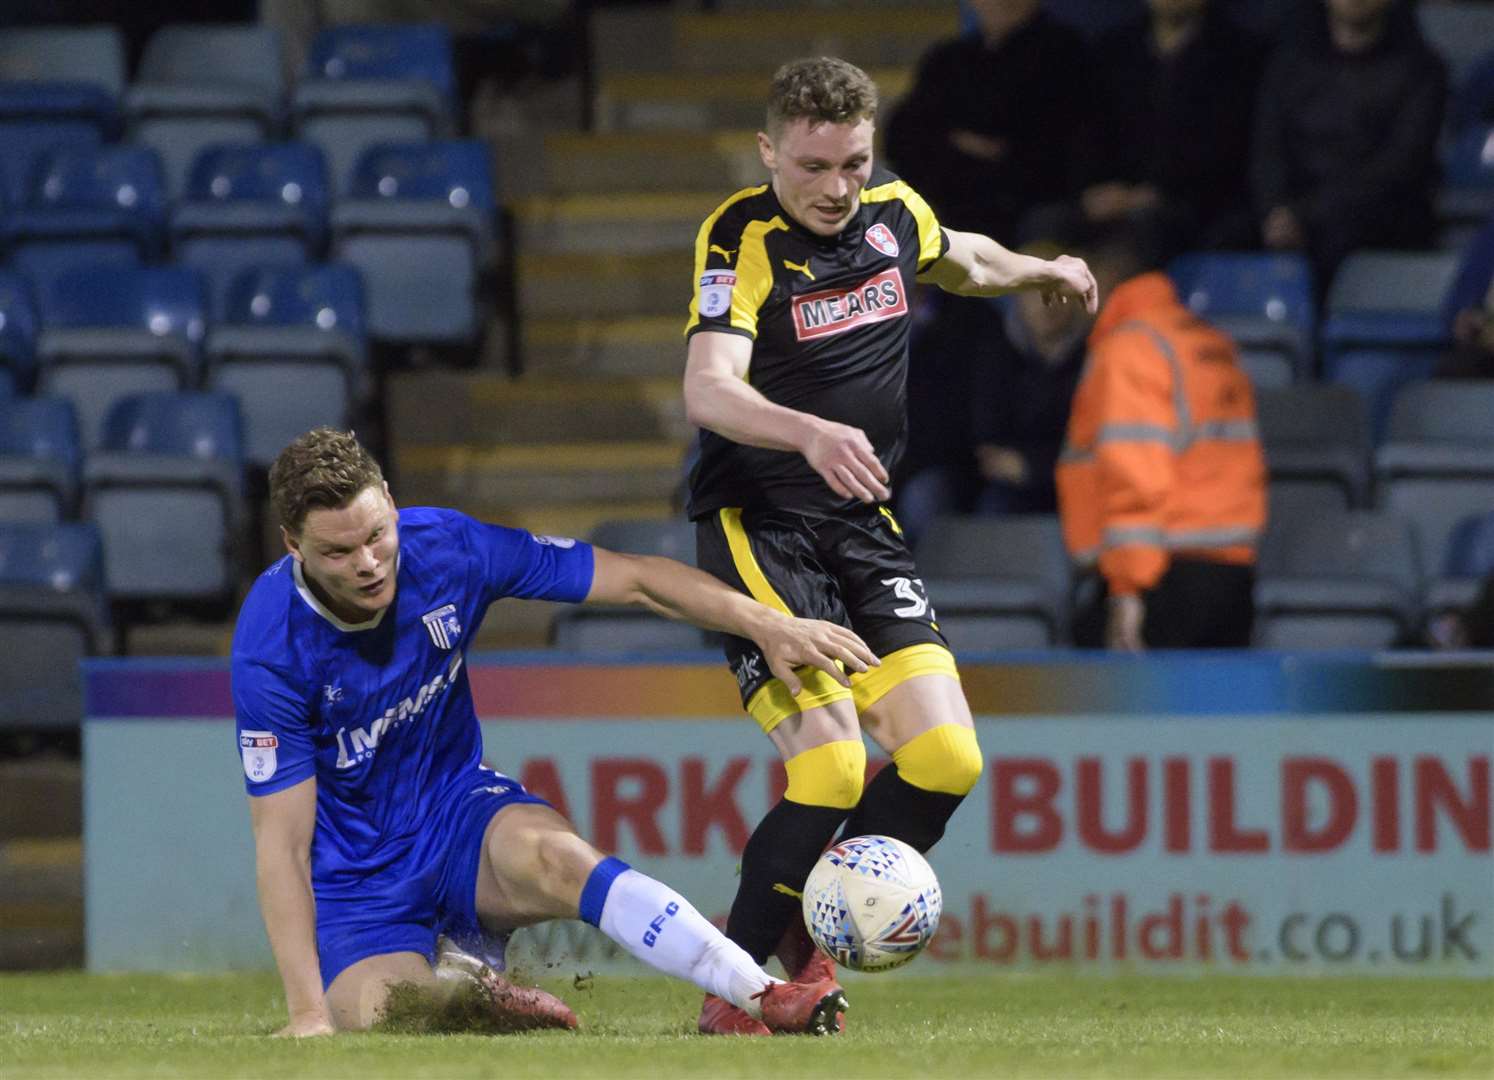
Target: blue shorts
{"points": [[430, 890]]}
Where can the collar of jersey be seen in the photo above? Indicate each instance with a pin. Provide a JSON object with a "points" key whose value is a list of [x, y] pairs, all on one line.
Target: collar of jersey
{"points": [[322, 609]]}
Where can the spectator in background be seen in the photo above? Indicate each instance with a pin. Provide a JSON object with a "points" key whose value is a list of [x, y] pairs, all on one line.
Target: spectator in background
{"points": [[1470, 311], [1162, 483], [989, 388], [1176, 89], [996, 123], [1346, 131]]}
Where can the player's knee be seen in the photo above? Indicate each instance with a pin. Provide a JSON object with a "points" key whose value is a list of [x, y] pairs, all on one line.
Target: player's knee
{"points": [[831, 774], [946, 759]]}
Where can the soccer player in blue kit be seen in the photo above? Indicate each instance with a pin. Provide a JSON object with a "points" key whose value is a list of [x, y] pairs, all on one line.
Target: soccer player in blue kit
{"points": [[376, 825]]}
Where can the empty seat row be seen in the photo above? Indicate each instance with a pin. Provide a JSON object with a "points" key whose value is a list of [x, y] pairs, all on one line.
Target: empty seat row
{"points": [[165, 489], [419, 223], [291, 348], [204, 84]]}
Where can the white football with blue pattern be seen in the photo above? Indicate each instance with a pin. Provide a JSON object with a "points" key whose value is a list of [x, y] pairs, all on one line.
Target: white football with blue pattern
{"points": [[872, 903]]}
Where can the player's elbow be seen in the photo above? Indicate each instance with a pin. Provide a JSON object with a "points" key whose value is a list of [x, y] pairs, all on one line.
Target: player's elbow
{"points": [[697, 402]]}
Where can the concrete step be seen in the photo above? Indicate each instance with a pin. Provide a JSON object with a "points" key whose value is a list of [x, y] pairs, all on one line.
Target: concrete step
{"points": [[755, 41], [702, 101], [632, 223], [607, 162], [646, 345], [605, 285], [41, 903], [480, 410], [40, 798], [555, 474]]}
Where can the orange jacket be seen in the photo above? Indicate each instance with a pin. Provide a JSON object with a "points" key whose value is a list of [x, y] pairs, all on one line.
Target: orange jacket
{"points": [[1162, 454]]}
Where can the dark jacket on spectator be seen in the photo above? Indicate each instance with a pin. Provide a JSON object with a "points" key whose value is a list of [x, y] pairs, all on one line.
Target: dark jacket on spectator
{"points": [[1031, 91], [1182, 123], [1348, 141]]}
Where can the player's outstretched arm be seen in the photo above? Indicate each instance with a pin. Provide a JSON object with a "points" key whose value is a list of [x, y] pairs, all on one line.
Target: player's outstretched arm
{"points": [[283, 824], [718, 397], [976, 265], [677, 591]]}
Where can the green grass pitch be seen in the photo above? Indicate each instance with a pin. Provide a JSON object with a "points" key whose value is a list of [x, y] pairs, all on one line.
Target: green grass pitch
{"points": [[900, 1025]]}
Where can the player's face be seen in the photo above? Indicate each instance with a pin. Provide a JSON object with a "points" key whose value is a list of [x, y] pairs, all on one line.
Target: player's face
{"points": [[348, 555], [818, 172]]}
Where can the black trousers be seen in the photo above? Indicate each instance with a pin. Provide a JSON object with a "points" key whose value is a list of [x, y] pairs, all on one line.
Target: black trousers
{"points": [[1198, 604]]}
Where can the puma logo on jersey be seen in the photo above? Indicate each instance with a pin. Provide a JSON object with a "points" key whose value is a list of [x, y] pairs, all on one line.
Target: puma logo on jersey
{"points": [[802, 267], [717, 249], [834, 311]]}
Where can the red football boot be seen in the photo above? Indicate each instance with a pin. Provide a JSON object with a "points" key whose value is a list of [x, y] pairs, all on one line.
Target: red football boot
{"points": [[808, 1008], [720, 1017], [805, 963]]}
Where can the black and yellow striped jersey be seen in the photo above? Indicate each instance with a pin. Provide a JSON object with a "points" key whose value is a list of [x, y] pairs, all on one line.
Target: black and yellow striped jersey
{"points": [[829, 319]]}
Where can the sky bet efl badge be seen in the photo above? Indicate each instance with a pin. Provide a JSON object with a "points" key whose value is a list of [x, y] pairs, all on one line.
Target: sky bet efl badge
{"points": [[715, 292], [880, 237], [258, 748]]}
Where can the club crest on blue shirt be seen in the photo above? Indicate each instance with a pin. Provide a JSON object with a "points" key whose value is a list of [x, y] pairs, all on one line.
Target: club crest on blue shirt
{"points": [[442, 625]]}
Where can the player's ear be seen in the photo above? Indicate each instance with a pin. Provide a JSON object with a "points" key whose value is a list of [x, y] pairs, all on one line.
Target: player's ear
{"points": [[766, 151], [390, 500], [291, 544]]}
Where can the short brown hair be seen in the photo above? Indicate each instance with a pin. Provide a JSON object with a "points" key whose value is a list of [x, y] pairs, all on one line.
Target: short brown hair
{"points": [[822, 90], [324, 469]]}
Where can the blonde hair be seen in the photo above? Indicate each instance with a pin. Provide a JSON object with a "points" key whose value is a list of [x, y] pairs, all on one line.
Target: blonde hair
{"points": [[324, 469], [822, 90]]}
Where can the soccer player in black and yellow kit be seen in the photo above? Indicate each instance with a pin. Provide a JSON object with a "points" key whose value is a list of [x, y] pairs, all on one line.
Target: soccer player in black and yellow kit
{"points": [[796, 373]]}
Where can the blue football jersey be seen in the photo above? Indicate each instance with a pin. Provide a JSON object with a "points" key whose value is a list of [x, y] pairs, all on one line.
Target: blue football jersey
{"points": [[381, 712]]}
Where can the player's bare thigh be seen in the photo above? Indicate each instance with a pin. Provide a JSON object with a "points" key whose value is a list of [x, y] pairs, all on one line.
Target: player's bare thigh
{"points": [[533, 867], [356, 997], [910, 708], [823, 724]]}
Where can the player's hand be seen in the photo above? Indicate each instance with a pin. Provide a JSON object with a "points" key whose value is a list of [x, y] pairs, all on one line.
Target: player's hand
{"points": [[788, 643], [307, 1026], [1067, 276], [844, 458]]}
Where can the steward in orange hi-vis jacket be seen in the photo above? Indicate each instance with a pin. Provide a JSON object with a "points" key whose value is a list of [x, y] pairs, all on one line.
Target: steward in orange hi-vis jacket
{"points": [[1161, 483]]}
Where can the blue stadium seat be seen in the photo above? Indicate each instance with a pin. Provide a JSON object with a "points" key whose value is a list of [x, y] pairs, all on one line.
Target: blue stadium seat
{"points": [[199, 85], [292, 350], [1472, 103], [1316, 435], [998, 582], [84, 203], [1384, 326], [28, 143], [68, 75], [1437, 464], [92, 55], [52, 614], [1467, 561], [418, 224], [110, 331], [1460, 33], [166, 490], [40, 458], [248, 205], [1264, 302], [59, 103], [1348, 580], [367, 84], [1466, 199], [19, 329]]}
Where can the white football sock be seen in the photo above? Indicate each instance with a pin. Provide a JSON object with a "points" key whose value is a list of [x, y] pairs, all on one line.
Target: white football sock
{"points": [[663, 929]]}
